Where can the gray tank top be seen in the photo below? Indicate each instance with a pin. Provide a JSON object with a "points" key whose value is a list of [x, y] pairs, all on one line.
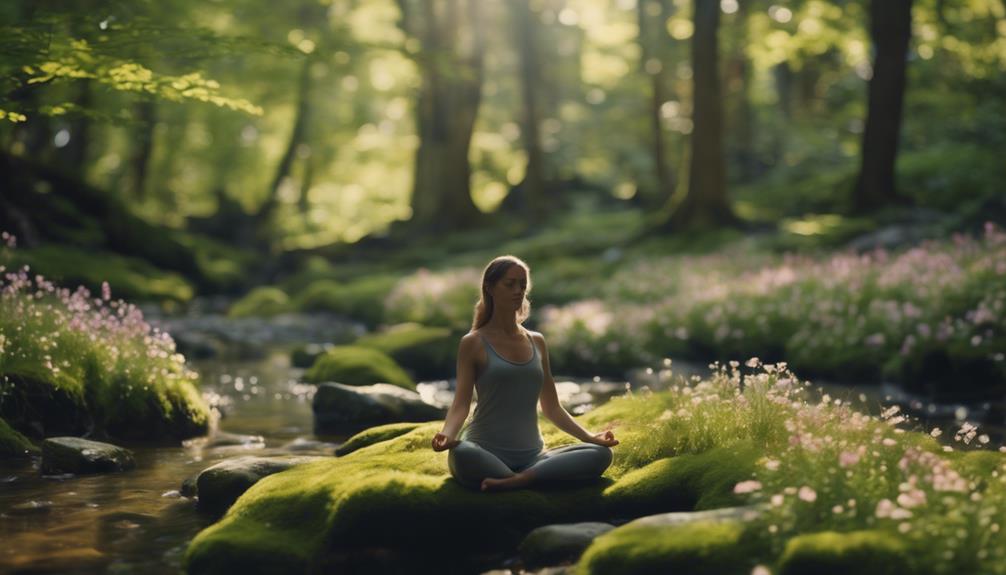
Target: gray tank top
{"points": [[506, 415]]}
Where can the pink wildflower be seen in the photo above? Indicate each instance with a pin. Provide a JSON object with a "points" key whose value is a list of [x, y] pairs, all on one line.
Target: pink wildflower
{"points": [[749, 486]]}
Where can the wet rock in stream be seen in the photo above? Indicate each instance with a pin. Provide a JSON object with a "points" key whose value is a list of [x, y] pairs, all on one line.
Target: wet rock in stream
{"points": [[338, 407], [77, 455], [220, 485]]}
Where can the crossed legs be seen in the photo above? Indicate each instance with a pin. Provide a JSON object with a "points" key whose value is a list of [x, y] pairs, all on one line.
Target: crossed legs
{"points": [[475, 466]]}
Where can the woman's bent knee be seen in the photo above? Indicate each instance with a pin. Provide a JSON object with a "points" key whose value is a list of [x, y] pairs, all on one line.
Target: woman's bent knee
{"points": [[604, 456]]}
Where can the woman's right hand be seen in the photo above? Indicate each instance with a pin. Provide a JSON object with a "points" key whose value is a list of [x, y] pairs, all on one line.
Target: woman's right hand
{"points": [[441, 442]]}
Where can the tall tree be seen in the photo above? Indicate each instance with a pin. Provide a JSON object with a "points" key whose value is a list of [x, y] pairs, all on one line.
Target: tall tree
{"points": [[742, 119], [704, 203], [890, 31], [526, 31], [451, 64], [652, 17]]}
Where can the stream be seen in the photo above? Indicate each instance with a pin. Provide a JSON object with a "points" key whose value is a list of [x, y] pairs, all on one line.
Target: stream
{"points": [[137, 522]]}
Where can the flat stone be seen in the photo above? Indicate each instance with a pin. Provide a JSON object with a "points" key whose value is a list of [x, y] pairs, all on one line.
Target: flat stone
{"points": [[744, 513], [225, 439], [77, 455], [561, 543]]}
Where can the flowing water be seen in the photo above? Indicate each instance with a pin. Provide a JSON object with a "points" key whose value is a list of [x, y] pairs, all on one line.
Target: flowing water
{"points": [[136, 521]]}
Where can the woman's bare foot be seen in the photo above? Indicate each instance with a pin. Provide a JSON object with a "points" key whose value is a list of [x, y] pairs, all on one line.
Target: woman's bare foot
{"points": [[513, 482]]}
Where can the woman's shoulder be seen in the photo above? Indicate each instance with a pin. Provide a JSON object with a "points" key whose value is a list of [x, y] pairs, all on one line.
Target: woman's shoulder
{"points": [[535, 335], [470, 339]]}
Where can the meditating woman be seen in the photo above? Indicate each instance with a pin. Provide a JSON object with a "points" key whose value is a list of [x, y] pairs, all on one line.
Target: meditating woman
{"points": [[501, 448]]}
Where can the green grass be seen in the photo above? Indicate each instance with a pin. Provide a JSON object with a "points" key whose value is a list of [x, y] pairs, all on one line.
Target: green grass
{"points": [[74, 357]]}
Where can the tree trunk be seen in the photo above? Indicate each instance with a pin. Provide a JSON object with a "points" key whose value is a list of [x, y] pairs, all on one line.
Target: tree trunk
{"points": [[705, 203], [653, 64], [447, 106], [532, 188], [890, 30], [744, 146], [268, 208], [146, 115]]}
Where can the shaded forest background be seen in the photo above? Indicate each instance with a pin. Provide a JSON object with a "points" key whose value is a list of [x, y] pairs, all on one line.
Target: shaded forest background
{"points": [[200, 136]]}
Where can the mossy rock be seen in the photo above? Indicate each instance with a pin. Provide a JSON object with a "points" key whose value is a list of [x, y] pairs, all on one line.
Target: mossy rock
{"points": [[832, 553], [13, 444], [398, 493], [714, 548], [951, 371], [362, 299], [374, 435], [261, 301], [73, 402], [355, 365], [426, 352]]}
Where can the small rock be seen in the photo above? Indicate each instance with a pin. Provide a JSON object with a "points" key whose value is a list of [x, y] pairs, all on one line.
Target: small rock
{"points": [[76, 455], [555, 544], [225, 439]]}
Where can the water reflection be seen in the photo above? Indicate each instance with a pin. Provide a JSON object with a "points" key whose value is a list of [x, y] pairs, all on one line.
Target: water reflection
{"points": [[136, 521]]}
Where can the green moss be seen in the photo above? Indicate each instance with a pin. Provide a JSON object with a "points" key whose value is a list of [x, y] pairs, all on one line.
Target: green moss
{"points": [[13, 444], [831, 553], [701, 481], [362, 299], [392, 491], [426, 352], [354, 365], [130, 277], [261, 301], [696, 549], [221, 267], [374, 435]]}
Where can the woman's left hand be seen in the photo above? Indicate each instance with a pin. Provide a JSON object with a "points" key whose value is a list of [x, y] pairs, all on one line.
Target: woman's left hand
{"points": [[605, 438]]}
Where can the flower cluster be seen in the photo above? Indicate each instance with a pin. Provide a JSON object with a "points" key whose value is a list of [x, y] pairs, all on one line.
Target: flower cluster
{"points": [[848, 314], [435, 297], [98, 349]]}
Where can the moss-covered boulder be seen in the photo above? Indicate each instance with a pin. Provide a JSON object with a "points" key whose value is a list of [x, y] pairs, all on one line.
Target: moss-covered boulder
{"points": [[831, 553], [398, 493], [424, 351], [261, 301], [711, 547], [355, 365], [339, 407], [218, 486], [375, 435], [361, 299], [76, 455], [13, 444]]}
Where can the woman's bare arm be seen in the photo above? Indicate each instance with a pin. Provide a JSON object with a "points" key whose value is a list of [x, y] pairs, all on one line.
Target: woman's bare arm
{"points": [[461, 406], [556, 413]]}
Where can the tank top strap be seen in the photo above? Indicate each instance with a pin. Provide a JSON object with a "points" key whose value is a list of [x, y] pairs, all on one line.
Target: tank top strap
{"points": [[491, 351]]}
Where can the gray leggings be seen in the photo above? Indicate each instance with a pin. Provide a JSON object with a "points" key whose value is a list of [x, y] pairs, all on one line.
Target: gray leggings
{"points": [[470, 463]]}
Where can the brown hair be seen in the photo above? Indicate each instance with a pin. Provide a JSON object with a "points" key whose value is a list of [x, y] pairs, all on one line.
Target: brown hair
{"points": [[493, 273]]}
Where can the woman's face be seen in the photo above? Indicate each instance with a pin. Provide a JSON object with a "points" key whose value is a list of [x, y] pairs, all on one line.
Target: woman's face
{"points": [[508, 292]]}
